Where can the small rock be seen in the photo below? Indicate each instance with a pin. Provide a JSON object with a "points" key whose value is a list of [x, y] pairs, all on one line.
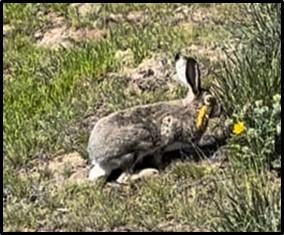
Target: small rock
{"points": [[135, 16], [7, 29], [38, 35]]}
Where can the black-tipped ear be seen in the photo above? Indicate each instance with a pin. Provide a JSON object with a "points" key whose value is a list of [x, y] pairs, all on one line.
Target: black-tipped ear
{"points": [[193, 75]]}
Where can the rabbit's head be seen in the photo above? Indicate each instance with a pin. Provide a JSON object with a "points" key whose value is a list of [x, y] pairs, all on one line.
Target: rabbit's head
{"points": [[188, 73]]}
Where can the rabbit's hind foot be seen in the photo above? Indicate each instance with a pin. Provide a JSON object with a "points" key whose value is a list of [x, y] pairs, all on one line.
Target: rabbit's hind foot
{"points": [[126, 178]]}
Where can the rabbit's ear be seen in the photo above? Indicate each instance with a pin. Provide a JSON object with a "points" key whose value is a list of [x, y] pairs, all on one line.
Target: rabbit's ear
{"points": [[193, 75], [188, 73]]}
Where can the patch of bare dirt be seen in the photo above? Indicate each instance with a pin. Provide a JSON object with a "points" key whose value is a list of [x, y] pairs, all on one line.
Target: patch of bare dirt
{"points": [[152, 74], [65, 37], [112, 20], [87, 34], [54, 38], [61, 169], [58, 34], [70, 167], [195, 15]]}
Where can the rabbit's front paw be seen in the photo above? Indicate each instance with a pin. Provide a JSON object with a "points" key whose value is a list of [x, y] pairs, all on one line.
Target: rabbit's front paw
{"points": [[145, 173], [123, 178]]}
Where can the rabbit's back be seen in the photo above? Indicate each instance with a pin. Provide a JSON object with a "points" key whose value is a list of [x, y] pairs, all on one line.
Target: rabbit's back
{"points": [[115, 141], [130, 130]]}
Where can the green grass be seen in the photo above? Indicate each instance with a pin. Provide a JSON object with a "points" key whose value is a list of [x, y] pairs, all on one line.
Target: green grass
{"points": [[47, 94]]}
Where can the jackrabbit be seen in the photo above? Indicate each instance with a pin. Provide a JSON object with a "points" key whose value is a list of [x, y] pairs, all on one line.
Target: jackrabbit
{"points": [[123, 138]]}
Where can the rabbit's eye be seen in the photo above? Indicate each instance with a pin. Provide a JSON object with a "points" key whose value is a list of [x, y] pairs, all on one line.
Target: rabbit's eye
{"points": [[209, 100]]}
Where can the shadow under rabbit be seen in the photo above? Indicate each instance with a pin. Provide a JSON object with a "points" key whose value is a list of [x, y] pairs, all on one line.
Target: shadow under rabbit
{"points": [[194, 154]]}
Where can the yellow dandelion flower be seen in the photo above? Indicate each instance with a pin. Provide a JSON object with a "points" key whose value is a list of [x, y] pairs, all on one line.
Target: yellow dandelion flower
{"points": [[239, 128], [201, 116]]}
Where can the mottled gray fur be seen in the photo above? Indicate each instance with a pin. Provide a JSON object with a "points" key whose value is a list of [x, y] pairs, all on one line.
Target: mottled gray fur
{"points": [[122, 138]]}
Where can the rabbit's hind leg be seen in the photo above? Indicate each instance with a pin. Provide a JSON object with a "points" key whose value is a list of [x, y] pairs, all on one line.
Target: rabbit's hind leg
{"points": [[126, 177], [105, 168], [134, 175], [130, 168], [126, 164]]}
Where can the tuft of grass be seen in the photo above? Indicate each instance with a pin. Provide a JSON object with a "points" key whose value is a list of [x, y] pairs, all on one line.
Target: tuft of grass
{"points": [[254, 61], [249, 85], [249, 204]]}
